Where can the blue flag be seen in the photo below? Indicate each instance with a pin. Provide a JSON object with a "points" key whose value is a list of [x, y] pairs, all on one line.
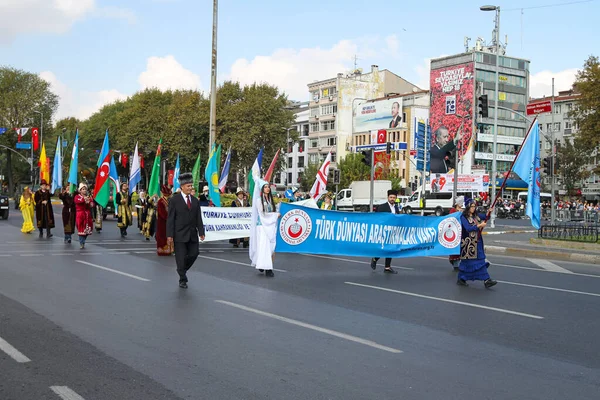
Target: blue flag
{"points": [[74, 160], [114, 178], [2, 131], [176, 184], [211, 174], [104, 150], [135, 173], [527, 166], [57, 168], [225, 172]]}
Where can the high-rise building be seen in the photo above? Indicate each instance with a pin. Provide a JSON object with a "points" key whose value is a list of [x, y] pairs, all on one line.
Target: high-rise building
{"points": [[295, 152], [331, 106], [456, 83]]}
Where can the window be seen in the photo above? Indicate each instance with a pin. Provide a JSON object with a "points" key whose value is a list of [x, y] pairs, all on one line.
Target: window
{"points": [[547, 145], [489, 76], [305, 130], [568, 125], [331, 141], [289, 179], [330, 91], [329, 109], [557, 126], [314, 144], [300, 162], [333, 157], [290, 162], [557, 108], [508, 97], [548, 127], [569, 107], [314, 111], [314, 127], [328, 125], [313, 158], [315, 95]]}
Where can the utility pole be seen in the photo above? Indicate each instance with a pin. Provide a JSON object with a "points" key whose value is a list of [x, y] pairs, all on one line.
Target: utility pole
{"points": [[553, 155], [372, 180], [213, 79]]}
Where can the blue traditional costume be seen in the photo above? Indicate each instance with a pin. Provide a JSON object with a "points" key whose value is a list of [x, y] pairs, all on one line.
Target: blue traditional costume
{"points": [[473, 265]]}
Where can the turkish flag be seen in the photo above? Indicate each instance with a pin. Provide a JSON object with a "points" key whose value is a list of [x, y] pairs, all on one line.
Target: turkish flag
{"points": [[381, 136], [124, 160], [35, 138]]}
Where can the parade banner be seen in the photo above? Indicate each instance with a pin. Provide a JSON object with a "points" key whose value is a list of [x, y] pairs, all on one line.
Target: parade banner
{"points": [[309, 231], [222, 223]]}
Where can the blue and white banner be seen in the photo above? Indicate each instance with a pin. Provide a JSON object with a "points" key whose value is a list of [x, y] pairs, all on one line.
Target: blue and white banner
{"points": [[310, 231], [221, 223]]}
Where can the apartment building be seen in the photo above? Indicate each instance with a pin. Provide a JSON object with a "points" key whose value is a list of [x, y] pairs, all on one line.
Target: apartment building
{"points": [[296, 156]]}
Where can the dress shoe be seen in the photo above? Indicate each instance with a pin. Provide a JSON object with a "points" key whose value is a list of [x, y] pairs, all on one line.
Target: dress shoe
{"points": [[261, 270], [183, 285], [489, 283], [373, 264], [390, 270], [462, 282], [270, 273]]}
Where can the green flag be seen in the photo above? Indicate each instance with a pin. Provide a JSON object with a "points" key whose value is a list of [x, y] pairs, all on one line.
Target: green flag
{"points": [[154, 187], [196, 173]]}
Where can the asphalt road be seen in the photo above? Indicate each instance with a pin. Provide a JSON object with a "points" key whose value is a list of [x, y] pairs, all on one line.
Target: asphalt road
{"points": [[110, 322]]}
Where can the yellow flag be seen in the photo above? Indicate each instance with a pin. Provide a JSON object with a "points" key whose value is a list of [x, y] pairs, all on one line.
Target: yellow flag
{"points": [[44, 165]]}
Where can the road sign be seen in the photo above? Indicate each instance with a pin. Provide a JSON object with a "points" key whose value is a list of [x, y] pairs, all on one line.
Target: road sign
{"points": [[23, 146], [541, 107], [382, 146]]}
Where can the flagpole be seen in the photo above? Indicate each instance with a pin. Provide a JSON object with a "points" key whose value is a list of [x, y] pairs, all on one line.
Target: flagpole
{"points": [[499, 192]]}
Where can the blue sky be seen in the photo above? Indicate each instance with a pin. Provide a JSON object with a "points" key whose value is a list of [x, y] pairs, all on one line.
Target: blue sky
{"points": [[95, 51]]}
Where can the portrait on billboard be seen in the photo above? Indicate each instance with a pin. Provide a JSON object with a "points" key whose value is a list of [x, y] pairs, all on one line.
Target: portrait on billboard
{"points": [[450, 116], [396, 115]]}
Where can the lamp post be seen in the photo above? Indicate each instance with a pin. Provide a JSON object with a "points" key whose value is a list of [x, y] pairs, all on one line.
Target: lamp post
{"points": [[287, 147], [213, 79], [496, 98]]}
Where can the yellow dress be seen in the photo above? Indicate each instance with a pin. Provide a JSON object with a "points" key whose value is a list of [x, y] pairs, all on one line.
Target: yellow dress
{"points": [[27, 207]]}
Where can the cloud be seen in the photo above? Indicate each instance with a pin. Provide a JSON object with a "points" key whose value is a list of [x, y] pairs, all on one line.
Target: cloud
{"points": [[167, 73], [423, 71], [292, 69], [540, 84], [50, 16], [79, 104]]}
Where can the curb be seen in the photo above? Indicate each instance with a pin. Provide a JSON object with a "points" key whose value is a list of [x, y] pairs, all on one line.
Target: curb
{"points": [[553, 255]]}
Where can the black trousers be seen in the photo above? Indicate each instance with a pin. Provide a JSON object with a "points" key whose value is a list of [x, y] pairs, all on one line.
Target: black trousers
{"points": [[185, 256], [388, 261]]}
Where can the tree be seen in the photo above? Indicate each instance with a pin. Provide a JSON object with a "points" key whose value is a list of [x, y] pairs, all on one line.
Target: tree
{"points": [[352, 169], [573, 159], [23, 96], [586, 114], [307, 177]]}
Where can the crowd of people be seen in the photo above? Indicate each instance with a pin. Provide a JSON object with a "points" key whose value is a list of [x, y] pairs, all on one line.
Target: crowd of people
{"points": [[175, 222]]}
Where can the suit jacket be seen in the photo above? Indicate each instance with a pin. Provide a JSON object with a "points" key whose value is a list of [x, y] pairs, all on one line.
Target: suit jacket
{"points": [[396, 121], [183, 224], [385, 207], [438, 155]]}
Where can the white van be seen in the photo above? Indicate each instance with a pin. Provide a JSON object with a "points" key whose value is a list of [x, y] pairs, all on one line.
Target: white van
{"points": [[435, 203]]}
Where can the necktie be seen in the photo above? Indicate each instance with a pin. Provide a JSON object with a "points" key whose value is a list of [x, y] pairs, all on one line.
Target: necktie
{"points": [[189, 203]]}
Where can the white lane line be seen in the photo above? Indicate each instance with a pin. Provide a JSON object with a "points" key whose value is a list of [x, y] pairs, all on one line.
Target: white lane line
{"points": [[551, 288], [313, 327], [66, 393], [145, 252], [493, 264], [348, 260], [119, 253], [32, 255], [5, 255], [114, 270], [235, 262], [61, 254], [549, 266], [12, 352], [85, 253], [462, 303]]}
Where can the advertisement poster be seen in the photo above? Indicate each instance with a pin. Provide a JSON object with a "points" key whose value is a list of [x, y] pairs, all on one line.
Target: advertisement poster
{"points": [[450, 116], [380, 114], [444, 183]]}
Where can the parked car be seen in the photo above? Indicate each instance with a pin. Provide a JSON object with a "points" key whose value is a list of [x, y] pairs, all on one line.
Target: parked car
{"points": [[4, 207]]}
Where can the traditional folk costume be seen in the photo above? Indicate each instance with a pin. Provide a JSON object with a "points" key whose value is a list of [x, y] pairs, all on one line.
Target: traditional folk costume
{"points": [[473, 265], [124, 212], [98, 214], [85, 224], [240, 203], [163, 248], [69, 212], [458, 206], [324, 205], [43, 212], [27, 206], [149, 218], [263, 229], [142, 211]]}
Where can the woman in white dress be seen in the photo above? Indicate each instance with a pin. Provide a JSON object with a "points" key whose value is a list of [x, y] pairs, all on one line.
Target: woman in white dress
{"points": [[263, 230]]}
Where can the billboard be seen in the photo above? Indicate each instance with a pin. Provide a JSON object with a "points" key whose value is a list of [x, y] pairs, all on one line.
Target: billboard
{"points": [[451, 117], [444, 183], [380, 114]]}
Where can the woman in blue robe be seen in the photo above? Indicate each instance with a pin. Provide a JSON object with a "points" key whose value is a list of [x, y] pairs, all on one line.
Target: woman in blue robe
{"points": [[473, 265]]}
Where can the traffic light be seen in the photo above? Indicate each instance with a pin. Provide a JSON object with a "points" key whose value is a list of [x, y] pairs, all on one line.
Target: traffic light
{"points": [[556, 166], [547, 165], [336, 176], [483, 105], [367, 157], [388, 148]]}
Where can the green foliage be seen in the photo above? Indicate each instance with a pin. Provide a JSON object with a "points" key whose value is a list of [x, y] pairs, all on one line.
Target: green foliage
{"points": [[573, 158], [586, 113], [353, 169], [307, 177]]}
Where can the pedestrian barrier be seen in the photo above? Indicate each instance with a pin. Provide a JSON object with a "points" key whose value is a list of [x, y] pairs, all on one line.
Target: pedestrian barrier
{"points": [[573, 233]]}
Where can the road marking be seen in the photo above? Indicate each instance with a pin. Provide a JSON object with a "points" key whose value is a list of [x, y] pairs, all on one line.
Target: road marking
{"points": [[66, 393], [236, 262], [32, 255], [462, 303], [61, 254], [145, 252], [551, 288], [5, 255], [114, 270], [313, 327], [12, 352], [348, 260], [119, 253], [549, 266], [85, 253]]}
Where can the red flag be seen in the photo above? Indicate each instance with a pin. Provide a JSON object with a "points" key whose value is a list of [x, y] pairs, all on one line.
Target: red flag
{"points": [[35, 138], [381, 136], [271, 168], [18, 134], [141, 161], [103, 174], [124, 160]]}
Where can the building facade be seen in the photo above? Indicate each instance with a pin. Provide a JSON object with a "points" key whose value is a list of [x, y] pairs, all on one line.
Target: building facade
{"points": [[331, 108], [296, 156]]}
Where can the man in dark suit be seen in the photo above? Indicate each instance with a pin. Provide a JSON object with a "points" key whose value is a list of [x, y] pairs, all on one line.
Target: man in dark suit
{"points": [[396, 117], [184, 226], [388, 207], [441, 151]]}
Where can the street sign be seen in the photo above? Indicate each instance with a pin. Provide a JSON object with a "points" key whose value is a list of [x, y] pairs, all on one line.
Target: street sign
{"points": [[382, 146], [541, 107], [23, 146]]}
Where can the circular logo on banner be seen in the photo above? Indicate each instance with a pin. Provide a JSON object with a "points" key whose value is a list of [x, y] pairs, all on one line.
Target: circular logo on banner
{"points": [[295, 227], [449, 231]]}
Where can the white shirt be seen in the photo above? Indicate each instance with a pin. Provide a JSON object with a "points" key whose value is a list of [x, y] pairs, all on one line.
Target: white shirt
{"points": [[185, 198], [392, 207]]}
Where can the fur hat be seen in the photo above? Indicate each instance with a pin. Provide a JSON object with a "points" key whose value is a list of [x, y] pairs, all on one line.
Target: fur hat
{"points": [[165, 190], [82, 185], [43, 182], [186, 178], [460, 201]]}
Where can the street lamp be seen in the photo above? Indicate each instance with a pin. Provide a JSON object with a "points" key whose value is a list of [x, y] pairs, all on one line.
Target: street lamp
{"points": [[496, 98]]}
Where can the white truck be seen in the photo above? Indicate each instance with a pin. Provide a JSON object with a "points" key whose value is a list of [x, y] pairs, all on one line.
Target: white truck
{"points": [[357, 196]]}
